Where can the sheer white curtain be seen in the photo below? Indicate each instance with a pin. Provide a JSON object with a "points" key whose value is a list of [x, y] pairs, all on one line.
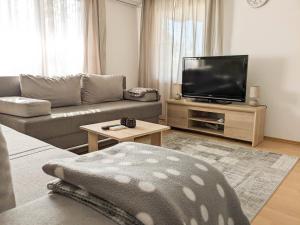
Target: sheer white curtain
{"points": [[41, 37], [171, 30]]}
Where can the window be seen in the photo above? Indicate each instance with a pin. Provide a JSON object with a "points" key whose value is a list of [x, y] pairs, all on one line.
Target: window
{"points": [[41, 37], [179, 28], [187, 38]]}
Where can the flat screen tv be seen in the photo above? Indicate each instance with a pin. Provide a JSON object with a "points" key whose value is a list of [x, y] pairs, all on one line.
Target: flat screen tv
{"points": [[218, 78]]}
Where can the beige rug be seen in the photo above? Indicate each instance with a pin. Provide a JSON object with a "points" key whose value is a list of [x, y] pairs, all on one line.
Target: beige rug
{"points": [[255, 175]]}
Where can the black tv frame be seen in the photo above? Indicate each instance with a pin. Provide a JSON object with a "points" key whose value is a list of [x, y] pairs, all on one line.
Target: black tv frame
{"points": [[211, 99]]}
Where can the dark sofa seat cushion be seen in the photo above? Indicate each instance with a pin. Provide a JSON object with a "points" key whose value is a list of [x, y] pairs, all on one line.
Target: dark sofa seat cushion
{"points": [[67, 120]]}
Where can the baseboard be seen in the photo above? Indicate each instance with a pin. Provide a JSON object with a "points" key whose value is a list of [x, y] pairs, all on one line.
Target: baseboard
{"points": [[282, 140]]}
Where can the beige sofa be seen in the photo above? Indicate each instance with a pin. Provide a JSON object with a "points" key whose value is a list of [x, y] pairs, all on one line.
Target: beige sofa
{"points": [[61, 127], [34, 206]]}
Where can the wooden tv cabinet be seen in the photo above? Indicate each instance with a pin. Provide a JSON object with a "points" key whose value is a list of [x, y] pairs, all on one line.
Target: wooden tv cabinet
{"points": [[236, 121]]}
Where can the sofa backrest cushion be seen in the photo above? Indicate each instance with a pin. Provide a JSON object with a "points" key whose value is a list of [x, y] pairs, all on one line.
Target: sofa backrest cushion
{"points": [[60, 91], [7, 197], [102, 88], [9, 86]]}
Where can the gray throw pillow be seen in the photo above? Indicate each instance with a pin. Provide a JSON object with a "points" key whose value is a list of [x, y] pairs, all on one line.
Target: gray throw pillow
{"points": [[7, 197], [60, 91], [101, 88]]}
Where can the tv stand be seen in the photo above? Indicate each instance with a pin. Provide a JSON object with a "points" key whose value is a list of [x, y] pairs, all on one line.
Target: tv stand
{"points": [[236, 121], [215, 101]]}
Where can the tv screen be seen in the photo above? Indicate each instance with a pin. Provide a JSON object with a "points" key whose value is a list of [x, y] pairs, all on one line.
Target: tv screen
{"points": [[219, 78]]}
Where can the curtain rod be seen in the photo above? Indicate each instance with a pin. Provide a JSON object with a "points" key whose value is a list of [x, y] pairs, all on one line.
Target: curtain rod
{"points": [[128, 3]]}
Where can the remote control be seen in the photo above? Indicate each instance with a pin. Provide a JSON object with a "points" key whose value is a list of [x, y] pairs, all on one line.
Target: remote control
{"points": [[107, 127], [120, 127]]}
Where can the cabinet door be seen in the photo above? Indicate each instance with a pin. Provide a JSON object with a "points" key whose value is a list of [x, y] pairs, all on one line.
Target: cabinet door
{"points": [[239, 125], [177, 116]]}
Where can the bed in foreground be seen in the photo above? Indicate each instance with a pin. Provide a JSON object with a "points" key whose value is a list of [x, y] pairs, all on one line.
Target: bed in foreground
{"points": [[133, 183]]}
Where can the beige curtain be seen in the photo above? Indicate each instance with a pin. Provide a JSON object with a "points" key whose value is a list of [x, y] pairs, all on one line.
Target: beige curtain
{"points": [[146, 61], [95, 39], [213, 32], [171, 30]]}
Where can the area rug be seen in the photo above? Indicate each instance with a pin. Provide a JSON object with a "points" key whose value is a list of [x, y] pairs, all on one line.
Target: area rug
{"points": [[255, 175]]}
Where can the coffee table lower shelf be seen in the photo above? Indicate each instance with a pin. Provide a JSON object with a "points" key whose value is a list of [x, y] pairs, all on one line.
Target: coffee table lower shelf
{"points": [[155, 139]]}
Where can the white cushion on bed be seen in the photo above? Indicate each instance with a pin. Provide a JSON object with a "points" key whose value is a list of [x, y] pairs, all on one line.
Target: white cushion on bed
{"points": [[7, 197], [24, 107]]}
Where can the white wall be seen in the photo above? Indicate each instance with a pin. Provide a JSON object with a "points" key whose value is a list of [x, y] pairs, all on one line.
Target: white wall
{"points": [[271, 36], [122, 41]]}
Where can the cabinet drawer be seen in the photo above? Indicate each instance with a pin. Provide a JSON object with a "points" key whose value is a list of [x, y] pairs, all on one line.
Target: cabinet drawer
{"points": [[177, 116], [239, 125], [241, 120], [238, 133]]}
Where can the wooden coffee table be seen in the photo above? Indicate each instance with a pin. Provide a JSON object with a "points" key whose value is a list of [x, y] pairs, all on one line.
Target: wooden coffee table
{"points": [[142, 129]]}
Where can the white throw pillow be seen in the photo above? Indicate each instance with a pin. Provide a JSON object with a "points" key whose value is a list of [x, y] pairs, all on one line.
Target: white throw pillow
{"points": [[101, 88], [60, 91], [7, 197]]}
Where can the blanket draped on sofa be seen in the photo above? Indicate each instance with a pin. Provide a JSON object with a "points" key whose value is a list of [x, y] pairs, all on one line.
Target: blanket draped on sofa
{"points": [[151, 184]]}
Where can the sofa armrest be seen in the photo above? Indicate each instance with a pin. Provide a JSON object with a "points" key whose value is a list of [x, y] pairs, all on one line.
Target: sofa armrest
{"points": [[24, 107]]}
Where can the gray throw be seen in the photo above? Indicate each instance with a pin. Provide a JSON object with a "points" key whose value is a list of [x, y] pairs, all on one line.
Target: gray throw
{"points": [[140, 92], [151, 184]]}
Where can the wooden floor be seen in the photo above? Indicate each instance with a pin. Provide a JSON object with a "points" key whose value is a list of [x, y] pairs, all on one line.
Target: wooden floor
{"points": [[283, 208]]}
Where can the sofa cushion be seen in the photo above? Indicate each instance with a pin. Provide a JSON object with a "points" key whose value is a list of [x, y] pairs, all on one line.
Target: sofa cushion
{"points": [[9, 86], [101, 88], [7, 197], [55, 210], [30, 182], [27, 156], [67, 120], [60, 91], [24, 107]]}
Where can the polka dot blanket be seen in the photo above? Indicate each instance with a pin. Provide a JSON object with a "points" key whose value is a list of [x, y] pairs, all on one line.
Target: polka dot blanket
{"points": [[134, 183]]}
